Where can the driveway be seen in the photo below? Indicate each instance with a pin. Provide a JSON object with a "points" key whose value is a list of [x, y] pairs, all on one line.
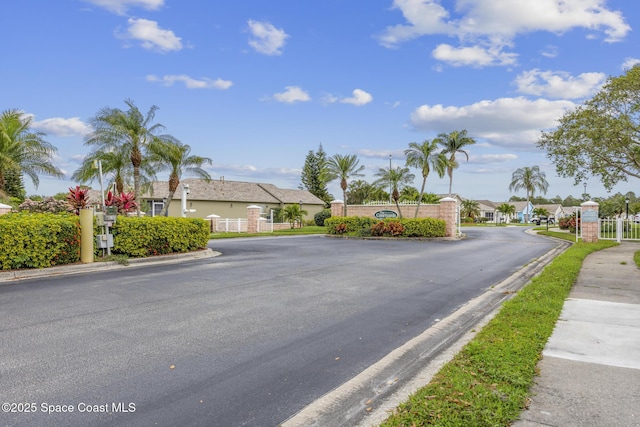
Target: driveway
{"points": [[244, 339]]}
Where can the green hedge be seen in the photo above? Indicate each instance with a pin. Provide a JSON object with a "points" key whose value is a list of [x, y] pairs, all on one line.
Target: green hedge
{"points": [[31, 240], [141, 237], [366, 226]]}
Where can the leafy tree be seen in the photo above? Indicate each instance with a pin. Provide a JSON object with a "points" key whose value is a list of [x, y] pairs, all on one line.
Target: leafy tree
{"points": [[23, 152], [343, 168], [453, 143], [399, 178], [409, 193], [314, 174], [128, 131], [529, 179], [424, 156], [540, 212], [601, 137], [571, 201], [176, 158], [506, 209], [470, 208]]}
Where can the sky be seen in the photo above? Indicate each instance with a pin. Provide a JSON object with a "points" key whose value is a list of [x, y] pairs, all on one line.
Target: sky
{"points": [[255, 85]]}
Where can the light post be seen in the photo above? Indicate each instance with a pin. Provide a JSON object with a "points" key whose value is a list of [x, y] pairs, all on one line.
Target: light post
{"points": [[626, 201], [390, 179], [300, 212], [584, 195]]}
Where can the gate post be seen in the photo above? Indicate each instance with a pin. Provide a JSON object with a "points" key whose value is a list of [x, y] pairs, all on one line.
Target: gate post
{"points": [[448, 207], [253, 216], [589, 221], [337, 208]]}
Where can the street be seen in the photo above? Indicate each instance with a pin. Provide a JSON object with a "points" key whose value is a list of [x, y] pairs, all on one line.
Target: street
{"points": [[247, 338]]}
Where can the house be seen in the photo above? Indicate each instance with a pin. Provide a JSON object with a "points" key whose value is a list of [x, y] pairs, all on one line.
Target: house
{"points": [[488, 210], [227, 199]]}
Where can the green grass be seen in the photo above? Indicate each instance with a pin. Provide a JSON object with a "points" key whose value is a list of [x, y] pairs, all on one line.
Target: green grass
{"points": [[636, 258], [487, 383], [310, 229], [559, 235]]}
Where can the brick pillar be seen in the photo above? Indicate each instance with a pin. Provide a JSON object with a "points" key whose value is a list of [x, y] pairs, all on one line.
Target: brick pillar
{"points": [[337, 208], [589, 221], [253, 216], [448, 214]]}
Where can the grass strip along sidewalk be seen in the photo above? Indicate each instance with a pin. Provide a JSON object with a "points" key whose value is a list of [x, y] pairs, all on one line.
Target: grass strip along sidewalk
{"points": [[487, 383]]}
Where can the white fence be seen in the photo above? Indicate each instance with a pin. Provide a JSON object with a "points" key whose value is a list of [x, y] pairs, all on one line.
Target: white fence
{"points": [[618, 229], [231, 225]]}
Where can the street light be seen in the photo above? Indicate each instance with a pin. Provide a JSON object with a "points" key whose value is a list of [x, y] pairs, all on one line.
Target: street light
{"points": [[627, 203], [300, 211], [390, 179], [584, 195]]}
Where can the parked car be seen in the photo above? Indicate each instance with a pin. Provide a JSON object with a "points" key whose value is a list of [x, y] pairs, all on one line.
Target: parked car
{"points": [[543, 220]]}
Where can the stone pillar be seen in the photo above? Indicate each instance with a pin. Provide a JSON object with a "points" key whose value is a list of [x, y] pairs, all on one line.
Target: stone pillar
{"points": [[337, 208], [253, 216], [448, 214], [589, 221]]}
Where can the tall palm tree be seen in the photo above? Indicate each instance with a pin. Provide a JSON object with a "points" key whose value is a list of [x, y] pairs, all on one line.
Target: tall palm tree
{"points": [[399, 178], [23, 151], [129, 131], [175, 157], [529, 179], [453, 143], [422, 156], [344, 168]]}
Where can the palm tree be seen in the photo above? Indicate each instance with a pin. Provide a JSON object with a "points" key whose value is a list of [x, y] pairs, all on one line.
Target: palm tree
{"points": [[424, 157], [174, 156], [399, 178], [453, 143], [293, 213], [529, 179], [128, 131], [23, 151], [344, 168], [470, 209], [506, 209]]}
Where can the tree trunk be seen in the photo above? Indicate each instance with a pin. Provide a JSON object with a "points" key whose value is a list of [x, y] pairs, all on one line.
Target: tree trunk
{"points": [[424, 181]]}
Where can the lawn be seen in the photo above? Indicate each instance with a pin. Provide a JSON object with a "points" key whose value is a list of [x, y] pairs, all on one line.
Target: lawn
{"points": [[310, 229]]}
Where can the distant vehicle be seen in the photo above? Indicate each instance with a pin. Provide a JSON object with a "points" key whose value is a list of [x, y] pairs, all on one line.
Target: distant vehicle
{"points": [[543, 220], [637, 218]]}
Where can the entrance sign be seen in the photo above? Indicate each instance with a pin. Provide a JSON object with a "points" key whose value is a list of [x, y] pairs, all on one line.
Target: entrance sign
{"points": [[385, 213], [589, 215]]}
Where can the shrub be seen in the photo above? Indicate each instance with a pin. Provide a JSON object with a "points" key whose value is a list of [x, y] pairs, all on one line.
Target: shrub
{"points": [[352, 224], [43, 240], [413, 227], [47, 205], [321, 216], [141, 237]]}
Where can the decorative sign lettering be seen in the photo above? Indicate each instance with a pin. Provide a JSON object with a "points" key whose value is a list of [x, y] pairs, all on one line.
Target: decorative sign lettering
{"points": [[385, 213], [589, 216]]}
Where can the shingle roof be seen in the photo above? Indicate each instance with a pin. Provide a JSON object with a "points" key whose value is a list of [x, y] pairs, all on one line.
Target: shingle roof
{"points": [[234, 191]]}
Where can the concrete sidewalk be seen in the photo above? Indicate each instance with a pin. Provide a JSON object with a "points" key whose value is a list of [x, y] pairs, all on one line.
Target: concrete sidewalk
{"points": [[590, 371]]}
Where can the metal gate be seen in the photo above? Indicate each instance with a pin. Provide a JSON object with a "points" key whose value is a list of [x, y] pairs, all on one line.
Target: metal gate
{"points": [[578, 223]]}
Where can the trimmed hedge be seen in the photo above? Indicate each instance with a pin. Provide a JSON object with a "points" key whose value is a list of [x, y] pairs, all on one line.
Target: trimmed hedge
{"points": [[141, 237], [367, 226], [37, 240]]}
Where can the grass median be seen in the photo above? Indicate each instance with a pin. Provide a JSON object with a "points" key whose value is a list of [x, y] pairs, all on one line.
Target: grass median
{"points": [[487, 383]]}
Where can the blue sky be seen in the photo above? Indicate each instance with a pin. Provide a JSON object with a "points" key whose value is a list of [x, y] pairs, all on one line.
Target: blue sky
{"points": [[256, 84]]}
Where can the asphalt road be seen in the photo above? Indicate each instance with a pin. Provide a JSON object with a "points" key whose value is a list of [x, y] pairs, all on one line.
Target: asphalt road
{"points": [[244, 339]]}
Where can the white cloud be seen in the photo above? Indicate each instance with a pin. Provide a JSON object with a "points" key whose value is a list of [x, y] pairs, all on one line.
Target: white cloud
{"points": [[629, 63], [510, 122], [151, 36], [360, 97], [559, 84], [485, 27], [476, 56], [191, 83], [120, 7], [266, 39], [291, 95], [59, 126], [492, 158]]}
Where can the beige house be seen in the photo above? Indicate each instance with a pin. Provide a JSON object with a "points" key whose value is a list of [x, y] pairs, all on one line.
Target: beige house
{"points": [[227, 199]]}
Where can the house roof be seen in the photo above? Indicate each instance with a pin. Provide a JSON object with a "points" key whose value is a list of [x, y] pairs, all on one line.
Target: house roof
{"points": [[520, 206], [551, 208], [234, 191]]}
